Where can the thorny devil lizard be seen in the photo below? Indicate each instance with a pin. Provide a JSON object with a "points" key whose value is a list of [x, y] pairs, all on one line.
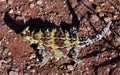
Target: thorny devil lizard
{"points": [[56, 50], [48, 48]]}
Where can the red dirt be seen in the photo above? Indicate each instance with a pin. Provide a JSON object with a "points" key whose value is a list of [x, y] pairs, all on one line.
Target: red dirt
{"points": [[100, 58]]}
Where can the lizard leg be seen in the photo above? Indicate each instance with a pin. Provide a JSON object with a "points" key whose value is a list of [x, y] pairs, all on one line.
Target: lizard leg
{"points": [[45, 57], [88, 41]]}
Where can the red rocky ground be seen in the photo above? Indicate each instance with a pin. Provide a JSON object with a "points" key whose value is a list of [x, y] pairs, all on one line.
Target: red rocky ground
{"points": [[17, 57]]}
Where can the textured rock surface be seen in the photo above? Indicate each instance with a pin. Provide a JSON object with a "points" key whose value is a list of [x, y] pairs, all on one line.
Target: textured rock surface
{"points": [[101, 58]]}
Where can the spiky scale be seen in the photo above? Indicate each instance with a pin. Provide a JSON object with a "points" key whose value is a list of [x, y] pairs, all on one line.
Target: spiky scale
{"points": [[24, 32], [37, 38], [66, 41], [58, 54], [38, 35], [77, 39], [31, 40]]}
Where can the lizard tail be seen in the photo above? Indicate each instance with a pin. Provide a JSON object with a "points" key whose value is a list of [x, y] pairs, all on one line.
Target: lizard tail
{"points": [[92, 39]]}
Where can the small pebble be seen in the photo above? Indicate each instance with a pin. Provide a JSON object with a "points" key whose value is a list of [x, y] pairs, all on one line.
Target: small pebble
{"points": [[32, 5], [32, 56], [30, 0], [94, 18], [91, 0], [66, 74], [0, 64], [39, 2], [115, 16], [70, 67], [1, 50], [18, 12], [8, 60], [107, 19], [2, 0], [51, 18], [32, 70], [98, 9], [84, 19], [102, 4], [11, 11], [118, 39], [28, 67], [88, 28], [10, 1], [101, 14], [9, 53], [13, 73], [5, 51], [25, 74]]}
